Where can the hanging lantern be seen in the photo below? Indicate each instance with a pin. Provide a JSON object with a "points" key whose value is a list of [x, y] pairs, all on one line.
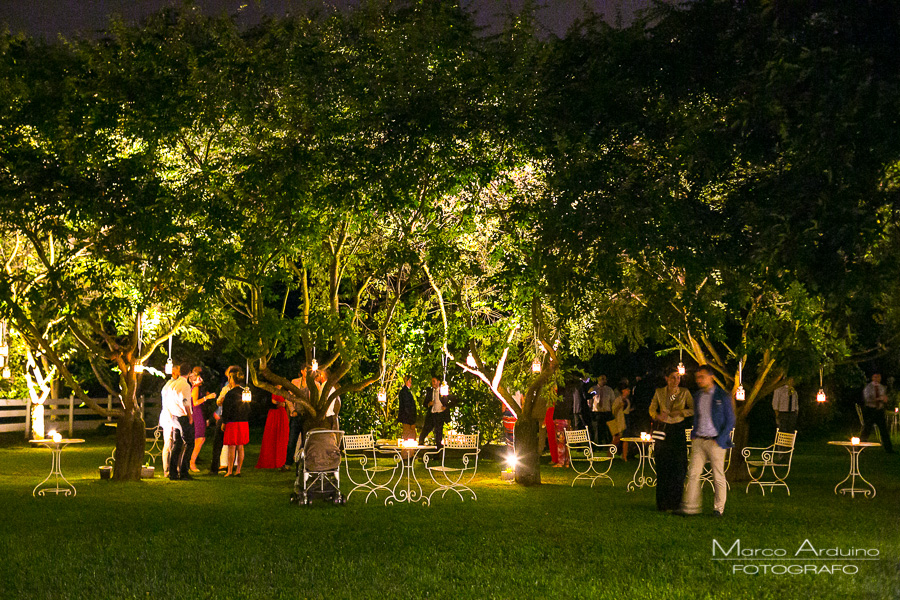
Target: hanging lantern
{"points": [[820, 397], [382, 396], [445, 389], [681, 369], [6, 373], [470, 360], [168, 368], [245, 395], [740, 394], [314, 365], [536, 365]]}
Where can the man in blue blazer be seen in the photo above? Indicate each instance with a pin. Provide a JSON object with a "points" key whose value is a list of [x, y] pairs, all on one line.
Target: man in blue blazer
{"points": [[710, 439]]}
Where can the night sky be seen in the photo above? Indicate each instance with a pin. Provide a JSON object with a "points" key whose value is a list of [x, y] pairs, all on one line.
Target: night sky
{"points": [[49, 18]]}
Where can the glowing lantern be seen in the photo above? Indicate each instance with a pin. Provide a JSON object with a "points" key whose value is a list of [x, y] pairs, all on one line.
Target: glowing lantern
{"points": [[382, 396], [168, 368], [245, 395], [820, 397], [314, 365], [681, 369], [740, 394], [536, 365], [6, 373], [54, 435], [470, 360], [445, 389], [511, 460]]}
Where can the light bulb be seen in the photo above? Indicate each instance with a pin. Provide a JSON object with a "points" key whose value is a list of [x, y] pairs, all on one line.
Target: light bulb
{"points": [[470, 360], [854, 440], [168, 368], [445, 389], [820, 397], [245, 395], [740, 394], [382, 396], [536, 365], [681, 369]]}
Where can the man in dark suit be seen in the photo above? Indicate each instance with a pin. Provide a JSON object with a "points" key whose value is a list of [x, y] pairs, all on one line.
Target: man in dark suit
{"points": [[406, 413], [436, 413]]}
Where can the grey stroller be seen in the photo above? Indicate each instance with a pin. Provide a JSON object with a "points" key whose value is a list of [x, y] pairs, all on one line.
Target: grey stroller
{"points": [[318, 467]]}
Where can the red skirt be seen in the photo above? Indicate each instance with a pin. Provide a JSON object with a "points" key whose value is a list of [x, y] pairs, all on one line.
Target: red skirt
{"points": [[237, 434], [273, 450]]}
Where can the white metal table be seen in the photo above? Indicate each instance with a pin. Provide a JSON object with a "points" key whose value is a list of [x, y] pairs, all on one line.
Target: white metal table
{"points": [[56, 448], [645, 460], [406, 456], [854, 450]]}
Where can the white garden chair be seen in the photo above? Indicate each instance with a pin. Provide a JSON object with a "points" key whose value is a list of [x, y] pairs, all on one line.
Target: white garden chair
{"points": [[360, 450], [453, 466], [772, 463], [862, 423], [588, 458]]}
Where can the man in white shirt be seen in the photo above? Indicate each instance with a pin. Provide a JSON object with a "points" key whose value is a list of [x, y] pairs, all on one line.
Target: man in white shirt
{"points": [[436, 413], [786, 406], [176, 401], [602, 397], [874, 401]]}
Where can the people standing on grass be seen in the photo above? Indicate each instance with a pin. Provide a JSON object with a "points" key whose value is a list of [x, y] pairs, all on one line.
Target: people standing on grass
{"points": [[436, 413], [219, 426], [874, 401], [296, 415], [406, 410], [562, 417], [176, 400], [199, 396], [274, 447], [670, 407], [620, 405], [235, 416], [602, 397], [710, 439], [786, 406]]}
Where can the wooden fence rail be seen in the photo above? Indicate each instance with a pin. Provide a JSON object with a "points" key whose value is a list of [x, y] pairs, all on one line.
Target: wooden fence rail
{"points": [[67, 414]]}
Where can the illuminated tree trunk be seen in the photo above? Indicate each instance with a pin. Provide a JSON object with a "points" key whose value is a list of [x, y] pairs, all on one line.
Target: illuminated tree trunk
{"points": [[528, 467], [130, 435]]}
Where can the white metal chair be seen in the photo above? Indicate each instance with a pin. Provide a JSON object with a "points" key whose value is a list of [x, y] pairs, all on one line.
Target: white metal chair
{"points": [[361, 450], [774, 460], [862, 423], [457, 465], [155, 439], [585, 458]]}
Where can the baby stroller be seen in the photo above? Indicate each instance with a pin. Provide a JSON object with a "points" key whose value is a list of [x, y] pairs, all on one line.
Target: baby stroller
{"points": [[318, 467]]}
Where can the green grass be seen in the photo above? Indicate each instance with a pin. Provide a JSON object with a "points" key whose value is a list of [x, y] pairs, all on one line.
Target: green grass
{"points": [[218, 538]]}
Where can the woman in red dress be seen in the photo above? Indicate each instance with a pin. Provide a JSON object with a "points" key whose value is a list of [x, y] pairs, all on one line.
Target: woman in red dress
{"points": [[273, 451], [235, 420]]}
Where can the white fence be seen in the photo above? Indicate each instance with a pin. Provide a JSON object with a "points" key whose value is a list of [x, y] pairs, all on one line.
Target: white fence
{"points": [[67, 414]]}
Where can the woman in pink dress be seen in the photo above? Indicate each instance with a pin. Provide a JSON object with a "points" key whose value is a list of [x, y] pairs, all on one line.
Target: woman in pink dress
{"points": [[273, 451]]}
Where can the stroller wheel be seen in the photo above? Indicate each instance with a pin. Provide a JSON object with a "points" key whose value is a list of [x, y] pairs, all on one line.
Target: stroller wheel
{"points": [[295, 499]]}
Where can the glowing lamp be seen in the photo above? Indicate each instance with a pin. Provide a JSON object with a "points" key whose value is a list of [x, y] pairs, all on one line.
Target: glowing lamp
{"points": [[681, 369], [314, 365], [854, 440], [536, 365], [645, 437], [820, 397], [6, 373], [139, 368], [445, 389], [245, 395], [54, 435], [470, 360], [168, 368], [512, 460], [409, 443], [382, 396], [740, 394]]}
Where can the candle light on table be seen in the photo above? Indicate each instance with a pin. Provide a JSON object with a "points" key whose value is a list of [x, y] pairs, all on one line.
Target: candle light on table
{"points": [[55, 436], [854, 440]]}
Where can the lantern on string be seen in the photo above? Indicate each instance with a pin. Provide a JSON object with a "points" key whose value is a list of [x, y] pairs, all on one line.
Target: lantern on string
{"points": [[382, 396], [681, 369], [314, 365], [168, 368], [246, 396], [470, 360], [445, 389], [536, 365], [740, 394], [820, 397], [6, 373]]}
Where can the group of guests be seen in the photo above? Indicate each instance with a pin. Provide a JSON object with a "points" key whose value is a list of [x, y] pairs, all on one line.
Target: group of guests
{"points": [[435, 406], [188, 413]]}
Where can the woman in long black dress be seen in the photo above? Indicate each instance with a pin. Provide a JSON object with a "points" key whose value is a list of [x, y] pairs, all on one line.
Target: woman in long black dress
{"points": [[669, 408]]}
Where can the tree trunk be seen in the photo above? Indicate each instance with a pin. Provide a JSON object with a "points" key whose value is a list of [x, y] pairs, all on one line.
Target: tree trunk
{"points": [[528, 467], [738, 470], [130, 435]]}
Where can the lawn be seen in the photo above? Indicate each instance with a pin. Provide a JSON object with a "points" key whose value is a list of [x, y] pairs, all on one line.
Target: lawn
{"points": [[241, 538]]}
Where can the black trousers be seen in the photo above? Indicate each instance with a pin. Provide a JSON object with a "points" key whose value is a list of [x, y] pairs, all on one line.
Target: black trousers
{"points": [[874, 417], [182, 448], [671, 466], [296, 427], [599, 430], [434, 422], [218, 441]]}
